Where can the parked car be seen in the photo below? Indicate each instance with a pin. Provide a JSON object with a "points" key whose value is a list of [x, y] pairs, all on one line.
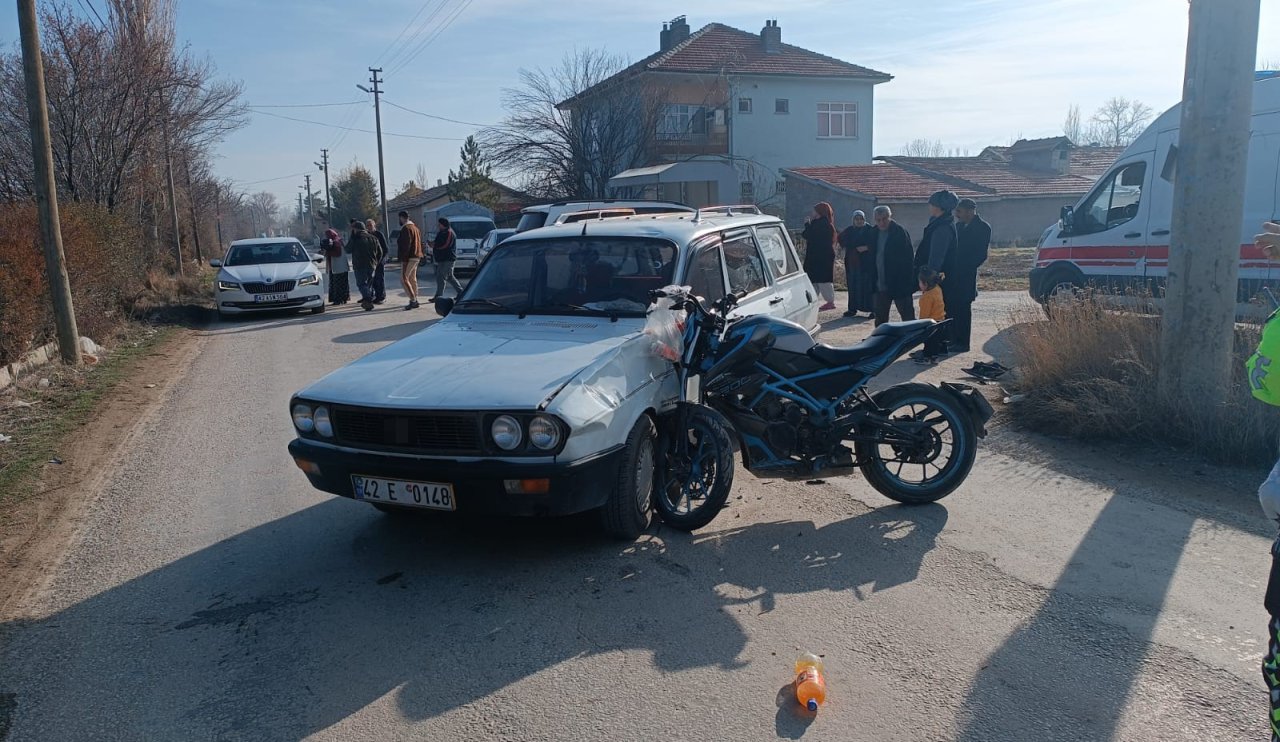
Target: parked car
{"points": [[493, 239], [534, 217], [1117, 235], [533, 394], [269, 274]]}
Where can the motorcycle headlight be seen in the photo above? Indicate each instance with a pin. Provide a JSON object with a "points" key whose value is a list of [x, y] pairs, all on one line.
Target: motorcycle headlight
{"points": [[506, 433], [544, 433], [228, 286], [302, 418], [311, 280], [323, 424]]}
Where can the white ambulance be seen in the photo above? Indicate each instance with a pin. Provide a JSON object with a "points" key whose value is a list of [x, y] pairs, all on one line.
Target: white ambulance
{"points": [[1117, 236]]}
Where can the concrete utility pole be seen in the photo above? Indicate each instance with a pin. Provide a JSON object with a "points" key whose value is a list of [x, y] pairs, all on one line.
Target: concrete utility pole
{"points": [[1208, 201], [300, 211], [311, 212], [377, 119], [46, 190], [324, 165], [217, 210]]}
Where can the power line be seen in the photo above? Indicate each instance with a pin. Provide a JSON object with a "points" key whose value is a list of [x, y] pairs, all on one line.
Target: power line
{"points": [[88, 5], [418, 32], [309, 105], [427, 42], [403, 30], [364, 131], [433, 116], [271, 180]]}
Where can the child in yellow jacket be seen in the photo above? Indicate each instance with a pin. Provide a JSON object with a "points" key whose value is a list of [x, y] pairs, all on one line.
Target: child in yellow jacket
{"points": [[932, 307]]}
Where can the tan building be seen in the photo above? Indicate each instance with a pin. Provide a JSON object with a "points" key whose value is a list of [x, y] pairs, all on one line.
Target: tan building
{"points": [[1020, 189]]}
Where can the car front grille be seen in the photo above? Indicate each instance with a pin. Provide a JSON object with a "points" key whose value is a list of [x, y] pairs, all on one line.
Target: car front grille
{"points": [[279, 287], [419, 432]]}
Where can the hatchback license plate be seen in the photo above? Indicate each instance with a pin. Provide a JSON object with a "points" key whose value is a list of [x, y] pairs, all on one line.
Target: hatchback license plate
{"points": [[269, 298], [429, 495]]}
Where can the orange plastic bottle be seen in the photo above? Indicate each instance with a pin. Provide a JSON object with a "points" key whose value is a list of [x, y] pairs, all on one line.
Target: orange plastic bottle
{"points": [[811, 687]]}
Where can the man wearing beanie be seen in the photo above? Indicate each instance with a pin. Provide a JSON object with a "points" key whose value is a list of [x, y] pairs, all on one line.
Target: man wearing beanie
{"points": [[973, 238]]}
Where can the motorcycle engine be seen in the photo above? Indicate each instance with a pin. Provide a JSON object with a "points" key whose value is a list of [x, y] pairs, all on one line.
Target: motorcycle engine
{"points": [[789, 431]]}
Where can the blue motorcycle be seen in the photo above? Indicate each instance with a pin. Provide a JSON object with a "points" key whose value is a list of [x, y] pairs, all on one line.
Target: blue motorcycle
{"points": [[799, 409]]}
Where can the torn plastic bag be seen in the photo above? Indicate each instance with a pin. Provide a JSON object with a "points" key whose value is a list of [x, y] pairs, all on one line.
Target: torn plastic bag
{"points": [[664, 325]]}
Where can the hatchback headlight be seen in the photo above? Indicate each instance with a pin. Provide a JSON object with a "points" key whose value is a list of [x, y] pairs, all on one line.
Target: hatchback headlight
{"points": [[323, 424], [228, 286], [303, 419], [311, 280], [507, 433], [544, 433]]}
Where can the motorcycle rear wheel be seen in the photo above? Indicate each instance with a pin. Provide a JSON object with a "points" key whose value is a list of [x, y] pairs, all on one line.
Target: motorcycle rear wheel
{"points": [[948, 447], [693, 487]]}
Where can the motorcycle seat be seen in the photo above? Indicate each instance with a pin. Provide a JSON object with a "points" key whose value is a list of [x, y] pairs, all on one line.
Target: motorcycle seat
{"points": [[872, 346], [901, 329]]}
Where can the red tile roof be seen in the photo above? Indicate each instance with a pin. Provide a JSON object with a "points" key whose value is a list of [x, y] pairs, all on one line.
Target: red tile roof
{"points": [[720, 49], [916, 178]]}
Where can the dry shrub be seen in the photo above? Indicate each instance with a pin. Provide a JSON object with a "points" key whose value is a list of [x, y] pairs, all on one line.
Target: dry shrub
{"points": [[109, 265], [1093, 373]]}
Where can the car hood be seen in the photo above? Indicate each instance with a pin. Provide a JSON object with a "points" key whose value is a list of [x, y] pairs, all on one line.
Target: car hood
{"points": [[267, 272], [478, 363]]}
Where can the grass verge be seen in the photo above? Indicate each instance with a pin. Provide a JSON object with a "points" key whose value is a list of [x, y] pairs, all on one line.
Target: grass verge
{"points": [[39, 419], [1093, 373]]}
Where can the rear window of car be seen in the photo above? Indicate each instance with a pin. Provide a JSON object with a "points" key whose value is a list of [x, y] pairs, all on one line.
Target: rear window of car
{"points": [[531, 220], [472, 230]]}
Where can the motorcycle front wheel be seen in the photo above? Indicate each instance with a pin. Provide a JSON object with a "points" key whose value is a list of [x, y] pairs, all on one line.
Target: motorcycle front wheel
{"points": [[697, 471], [916, 464]]}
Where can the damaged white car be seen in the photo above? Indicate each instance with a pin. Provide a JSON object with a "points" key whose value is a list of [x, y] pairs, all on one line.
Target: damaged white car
{"points": [[537, 393]]}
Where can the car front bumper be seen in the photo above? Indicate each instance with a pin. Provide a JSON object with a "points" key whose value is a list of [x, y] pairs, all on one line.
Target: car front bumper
{"points": [[478, 486], [233, 302]]}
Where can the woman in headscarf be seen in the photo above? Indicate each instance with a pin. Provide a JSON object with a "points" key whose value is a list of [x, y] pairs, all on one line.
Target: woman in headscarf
{"points": [[338, 266], [820, 253], [857, 241]]}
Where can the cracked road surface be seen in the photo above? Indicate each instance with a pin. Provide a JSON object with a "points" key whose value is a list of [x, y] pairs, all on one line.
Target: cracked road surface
{"points": [[1061, 594]]}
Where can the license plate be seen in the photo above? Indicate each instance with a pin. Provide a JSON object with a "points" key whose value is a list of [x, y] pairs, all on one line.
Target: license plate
{"points": [[269, 298], [430, 495]]}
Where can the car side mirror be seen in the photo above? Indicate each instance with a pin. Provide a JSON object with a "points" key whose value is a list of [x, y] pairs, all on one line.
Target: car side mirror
{"points": [[444, 305], [215, 263], [1067, 219], [319, 260]]}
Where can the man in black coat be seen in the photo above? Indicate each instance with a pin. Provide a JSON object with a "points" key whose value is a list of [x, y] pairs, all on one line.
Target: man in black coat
{"points": [[379, 273], [894, 270], [973, 238]]}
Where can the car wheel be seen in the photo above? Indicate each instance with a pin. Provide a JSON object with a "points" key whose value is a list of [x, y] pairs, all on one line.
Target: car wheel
{"points": [[318, 310], [630, 505]]}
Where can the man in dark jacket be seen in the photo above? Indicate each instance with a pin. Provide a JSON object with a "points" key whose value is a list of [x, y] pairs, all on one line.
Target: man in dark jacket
{"points": [[444, 252], [895, 274], [938, 243], [379, 274], [366, 253], [960, 290]]}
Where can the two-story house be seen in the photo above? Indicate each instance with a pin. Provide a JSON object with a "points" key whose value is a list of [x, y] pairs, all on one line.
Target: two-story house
{"points": [[733, 109]]}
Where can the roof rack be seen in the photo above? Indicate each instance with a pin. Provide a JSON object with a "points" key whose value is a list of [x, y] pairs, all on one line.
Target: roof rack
{"points": [[728, 210]]}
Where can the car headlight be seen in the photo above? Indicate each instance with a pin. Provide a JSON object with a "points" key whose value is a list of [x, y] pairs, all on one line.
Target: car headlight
{"points": [[311, 280], [507, 433], [303, 419], [544, 433], [323, 424], [228, 286]]}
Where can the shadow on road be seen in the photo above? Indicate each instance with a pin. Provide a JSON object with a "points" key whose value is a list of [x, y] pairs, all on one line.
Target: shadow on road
{"points": [[390, 333], [1067, 673], [289, 628]]}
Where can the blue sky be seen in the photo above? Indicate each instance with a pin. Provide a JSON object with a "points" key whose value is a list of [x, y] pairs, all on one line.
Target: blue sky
{"points": [[978, 72]]}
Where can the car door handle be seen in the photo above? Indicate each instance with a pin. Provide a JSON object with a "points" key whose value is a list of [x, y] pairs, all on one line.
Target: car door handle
{"points": [[777, 300], [1133, 235], [1160, 233]]}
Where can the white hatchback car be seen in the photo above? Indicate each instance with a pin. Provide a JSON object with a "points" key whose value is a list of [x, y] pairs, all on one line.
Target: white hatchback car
{"points": [[269, 274], [527, 397]]}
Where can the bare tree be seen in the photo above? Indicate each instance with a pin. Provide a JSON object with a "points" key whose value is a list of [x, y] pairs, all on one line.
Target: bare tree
{"points": [[924, 148], [567, 132], [265, 210], [1118, 122], [1071, 127], [420, 177]]}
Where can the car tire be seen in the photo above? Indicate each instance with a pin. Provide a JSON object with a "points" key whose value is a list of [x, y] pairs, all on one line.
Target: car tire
{"points": [[318, 310], [627, 513]]}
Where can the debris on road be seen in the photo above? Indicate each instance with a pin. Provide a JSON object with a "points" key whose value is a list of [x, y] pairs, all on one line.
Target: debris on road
{"points": [[811, 686]]}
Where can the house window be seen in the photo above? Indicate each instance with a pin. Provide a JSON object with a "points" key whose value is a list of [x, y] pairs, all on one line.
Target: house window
{"points": [[747, 192], [682, 122], [837, 120], [782, 105], [744, 105]]}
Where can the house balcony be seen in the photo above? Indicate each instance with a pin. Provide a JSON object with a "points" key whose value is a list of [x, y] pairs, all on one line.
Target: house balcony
{"points": [[685, 145]]}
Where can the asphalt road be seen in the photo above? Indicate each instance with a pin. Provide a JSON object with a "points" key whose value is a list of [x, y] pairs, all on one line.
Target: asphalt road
{"points": [[211, 594]]}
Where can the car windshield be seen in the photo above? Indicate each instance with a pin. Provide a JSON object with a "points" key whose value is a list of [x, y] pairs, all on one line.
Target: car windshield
{"points": [[273, 252], [603, 275], [472, 230]]}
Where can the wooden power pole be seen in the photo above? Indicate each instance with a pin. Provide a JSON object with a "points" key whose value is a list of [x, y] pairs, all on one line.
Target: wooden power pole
{"points": [[1208, 201], [46, 191]]}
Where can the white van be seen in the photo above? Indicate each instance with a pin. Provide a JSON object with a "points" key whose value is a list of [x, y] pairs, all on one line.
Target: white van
{"points": [[1117, 236], [544, 215]]}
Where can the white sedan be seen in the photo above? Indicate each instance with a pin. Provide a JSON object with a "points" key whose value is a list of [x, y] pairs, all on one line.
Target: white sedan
{"points": [[272, 273]]}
